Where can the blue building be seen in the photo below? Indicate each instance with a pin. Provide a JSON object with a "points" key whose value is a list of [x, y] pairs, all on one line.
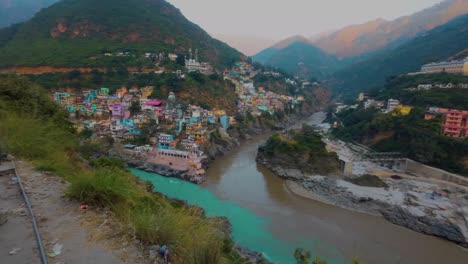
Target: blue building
{"points": [[164, 141], [225, 121]]}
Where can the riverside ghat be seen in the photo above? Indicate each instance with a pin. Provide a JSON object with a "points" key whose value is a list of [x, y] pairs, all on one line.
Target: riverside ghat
{"points": [[163, 160], [268, 217]]}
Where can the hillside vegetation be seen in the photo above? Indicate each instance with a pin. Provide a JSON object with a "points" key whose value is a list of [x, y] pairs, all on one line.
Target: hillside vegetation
{"points": [[207, 91], [414, 137], [435, 45], [302, 150], [79, 32], [454, 98], [35, 128]]}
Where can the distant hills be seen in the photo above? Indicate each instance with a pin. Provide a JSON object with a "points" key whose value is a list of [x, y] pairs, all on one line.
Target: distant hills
{"points": [[15, 11], [249, 45], [374, 35], [437, 44], [297, 55], [79, 32]]}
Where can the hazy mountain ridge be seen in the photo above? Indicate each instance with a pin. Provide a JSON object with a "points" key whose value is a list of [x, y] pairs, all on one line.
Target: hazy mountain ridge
{"points": [[374, 35], [298, 55], [437, 44]]}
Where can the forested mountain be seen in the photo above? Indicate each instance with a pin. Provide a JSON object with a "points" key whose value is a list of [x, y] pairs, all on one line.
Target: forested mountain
{"points": [[15, 11], [374, 35], [297, 55], [79, 32], [435, 45]]}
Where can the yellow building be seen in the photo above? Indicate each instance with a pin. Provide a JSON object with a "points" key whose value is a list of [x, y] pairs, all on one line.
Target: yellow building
{"points": [[146, 92], [402, 110], [455, 67]]}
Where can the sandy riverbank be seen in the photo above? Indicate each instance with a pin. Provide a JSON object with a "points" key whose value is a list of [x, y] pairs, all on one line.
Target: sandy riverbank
{"points": [[406, 202]]}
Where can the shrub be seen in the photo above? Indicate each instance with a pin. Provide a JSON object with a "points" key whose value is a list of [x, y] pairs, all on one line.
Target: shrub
{"points": [[48, 146], [111, 163], [193, 238], [102, 187]]}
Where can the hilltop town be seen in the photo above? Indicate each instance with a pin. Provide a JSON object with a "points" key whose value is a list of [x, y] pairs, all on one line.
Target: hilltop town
{"points": [[179, 131]]}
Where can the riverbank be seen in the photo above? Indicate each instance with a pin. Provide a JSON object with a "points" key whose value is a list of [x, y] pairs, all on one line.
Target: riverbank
{"points": [[218, 146], [421, 206], [424, 205], [228, 140]]}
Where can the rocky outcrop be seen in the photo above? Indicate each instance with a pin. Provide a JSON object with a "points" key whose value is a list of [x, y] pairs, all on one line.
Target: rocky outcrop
{"points": [[251, 256], [285, 173], [173, 173], [248, 254], [425, 224]]}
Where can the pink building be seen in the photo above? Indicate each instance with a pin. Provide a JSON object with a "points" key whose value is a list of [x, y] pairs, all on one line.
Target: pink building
{"points": [[455, 122], [153, 105]]}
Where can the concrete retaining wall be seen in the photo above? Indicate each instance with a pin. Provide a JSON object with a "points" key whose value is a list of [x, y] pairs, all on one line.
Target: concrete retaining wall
{"points": [[417, 168]]}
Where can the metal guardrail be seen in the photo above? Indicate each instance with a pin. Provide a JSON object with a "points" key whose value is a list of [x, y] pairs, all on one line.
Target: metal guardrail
{"points": [[33, 217]]}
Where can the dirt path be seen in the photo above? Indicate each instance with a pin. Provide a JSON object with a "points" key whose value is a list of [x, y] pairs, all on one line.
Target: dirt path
{"points": [[17, 241], [85, 236]]}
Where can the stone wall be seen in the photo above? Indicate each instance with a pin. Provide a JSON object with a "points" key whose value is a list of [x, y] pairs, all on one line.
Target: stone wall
{"points": [[414, 167]]}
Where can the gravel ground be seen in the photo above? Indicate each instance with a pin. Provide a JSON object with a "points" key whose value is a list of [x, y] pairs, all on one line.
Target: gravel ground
{"points": [[83, 236]]}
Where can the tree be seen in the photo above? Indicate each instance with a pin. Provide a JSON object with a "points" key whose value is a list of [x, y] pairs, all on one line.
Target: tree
{"points": [[318, 260], [303, 257], [86, 133], [180, 60], [135, 108]]}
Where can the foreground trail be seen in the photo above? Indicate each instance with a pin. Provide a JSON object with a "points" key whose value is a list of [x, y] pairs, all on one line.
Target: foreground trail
{"points": [[70, 235], [17, 241]]}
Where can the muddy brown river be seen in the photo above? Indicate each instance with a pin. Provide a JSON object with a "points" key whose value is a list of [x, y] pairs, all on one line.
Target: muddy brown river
{"points": [[266, 217], [337, 233]]}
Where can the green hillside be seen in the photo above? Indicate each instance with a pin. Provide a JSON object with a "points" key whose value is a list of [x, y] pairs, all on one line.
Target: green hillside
{"points": [[435, 45], [398, 88], [416, 138], [207, 91], [79, 32], [301, 58]]}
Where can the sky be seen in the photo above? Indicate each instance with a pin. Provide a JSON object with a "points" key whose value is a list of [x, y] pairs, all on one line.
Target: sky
{"points": [[279, 19]]}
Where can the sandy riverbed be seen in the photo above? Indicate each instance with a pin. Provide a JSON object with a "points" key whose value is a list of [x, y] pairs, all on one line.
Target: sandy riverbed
{"points": [[407, 202]]}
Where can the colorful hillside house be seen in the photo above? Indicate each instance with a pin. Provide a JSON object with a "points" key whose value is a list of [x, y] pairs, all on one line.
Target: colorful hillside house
{"points": [[180, 125], [153, 105], [93, 94], [118, 110], [71, 109], [263, 108], [104, 91], [164, 141], [58, 97], [211, 119], [225, 121], [402, 110]]}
